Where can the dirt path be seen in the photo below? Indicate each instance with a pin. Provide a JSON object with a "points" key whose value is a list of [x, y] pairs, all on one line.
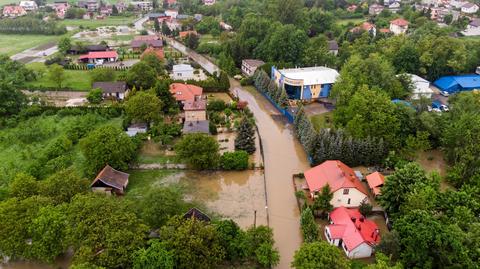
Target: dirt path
{"points": [[283, 157]]}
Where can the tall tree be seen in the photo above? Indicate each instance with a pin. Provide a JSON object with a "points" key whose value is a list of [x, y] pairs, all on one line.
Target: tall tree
{"points": [[142, 76], [245, 139], [200, 151], [319, 255], [64, 45], [57, 75], [309, 226], [107, 145], [323, 200], [144, 107], [155, 256]]}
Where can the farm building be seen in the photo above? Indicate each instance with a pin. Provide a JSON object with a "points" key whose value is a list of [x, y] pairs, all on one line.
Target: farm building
{"points": [[110, 181], [307, 83], [453, 84]]}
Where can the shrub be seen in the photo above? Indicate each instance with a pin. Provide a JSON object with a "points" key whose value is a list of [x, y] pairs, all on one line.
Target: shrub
{"points": [[216, 105], [237, 160], [95, 96]]}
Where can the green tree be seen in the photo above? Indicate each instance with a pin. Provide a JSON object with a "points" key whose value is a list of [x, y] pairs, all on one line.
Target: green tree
{"points": [[369, 113], [400, 184], [144, 107], [64, 45], [365, 208], [322, 201], [154, 62], [165, 30], [155, 256], [158, 205], [156, 26], [103, 231], [170, 105], [237, 160], [194, 244], [317, 53], [309, 226], [95, 96], [383, 262], [107, 145], [200, 151], [142, 76], [12, 100], [260, 240], [56, 75], [233, 240], [63, 185], [15, 220], [245, 139], [191, 41], [319, 255], [23, 186], [48, 233], [286, 11], [102, 75], [114, 10]]}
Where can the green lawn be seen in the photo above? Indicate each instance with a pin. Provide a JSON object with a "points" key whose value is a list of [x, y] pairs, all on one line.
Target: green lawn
{"points": [[142, 180], [207, 38], [321, 121], [110, 21], [12, 44], [347, 21], [77, 80]]}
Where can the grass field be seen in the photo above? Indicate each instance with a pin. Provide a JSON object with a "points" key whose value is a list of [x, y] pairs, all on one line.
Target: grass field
{"points": [[12, 44], [77, 80], [347, 21], [321, 121], [110, 21]]}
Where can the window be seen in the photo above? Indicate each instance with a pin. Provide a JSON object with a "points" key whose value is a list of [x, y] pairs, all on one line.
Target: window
{"points": [[348, 202], [345, 191]]}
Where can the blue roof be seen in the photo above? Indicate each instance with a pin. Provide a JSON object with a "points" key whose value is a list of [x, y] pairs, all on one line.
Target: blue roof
{"points": [[453, 84], [436, 103]]}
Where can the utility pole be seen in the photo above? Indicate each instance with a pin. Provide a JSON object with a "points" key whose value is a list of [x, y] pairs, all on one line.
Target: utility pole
{"points": [[255, 219]]}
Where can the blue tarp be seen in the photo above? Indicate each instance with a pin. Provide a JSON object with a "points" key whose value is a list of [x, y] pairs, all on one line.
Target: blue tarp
{"points": [[453, 84], [398, 101], [436, 104]]}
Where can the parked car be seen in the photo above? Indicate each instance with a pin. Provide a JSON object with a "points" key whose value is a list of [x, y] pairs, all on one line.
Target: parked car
{"points": [[436, 110], [445, 93], [444, 108]]}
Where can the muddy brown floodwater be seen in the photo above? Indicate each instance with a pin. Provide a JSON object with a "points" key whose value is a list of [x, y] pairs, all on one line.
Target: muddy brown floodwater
{"points": [[283, 157]]}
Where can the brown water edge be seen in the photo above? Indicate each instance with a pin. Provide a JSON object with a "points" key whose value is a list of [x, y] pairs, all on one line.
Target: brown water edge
{"points": [[283, 157]]}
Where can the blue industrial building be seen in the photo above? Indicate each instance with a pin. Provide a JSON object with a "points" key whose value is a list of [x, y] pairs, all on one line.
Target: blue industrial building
{"points": [[453, 84]]}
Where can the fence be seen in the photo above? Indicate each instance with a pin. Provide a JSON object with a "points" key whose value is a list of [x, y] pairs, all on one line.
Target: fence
{"points": [[85, 67], [285, 112]]}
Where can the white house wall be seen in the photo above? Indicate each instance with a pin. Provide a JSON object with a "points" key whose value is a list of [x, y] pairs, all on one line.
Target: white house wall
{"points": [[361, 251], [340, 199]]}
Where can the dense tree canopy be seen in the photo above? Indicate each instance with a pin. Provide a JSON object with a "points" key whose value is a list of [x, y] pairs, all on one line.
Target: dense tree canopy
{"points": [[200, 151], [319, 255]]}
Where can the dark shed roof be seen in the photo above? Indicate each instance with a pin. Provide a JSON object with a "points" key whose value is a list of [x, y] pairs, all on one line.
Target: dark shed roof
{"points": [[111, 87], [195, 213], [112, 178]]}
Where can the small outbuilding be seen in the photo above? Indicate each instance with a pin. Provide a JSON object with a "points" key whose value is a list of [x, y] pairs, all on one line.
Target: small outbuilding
{"points": [[200, 126], [136, 128], [375, 182], [421, 87], [195, 213], [110, 181], [116, 89]]}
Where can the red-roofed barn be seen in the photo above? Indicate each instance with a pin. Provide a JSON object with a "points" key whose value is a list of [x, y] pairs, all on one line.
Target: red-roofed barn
{"points": [[353, 232], [347, 189]]}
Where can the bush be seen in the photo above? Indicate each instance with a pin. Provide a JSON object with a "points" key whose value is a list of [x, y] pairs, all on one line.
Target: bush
{"points": [[246, 81], [216, 105], [95, 96], [237, 160]]}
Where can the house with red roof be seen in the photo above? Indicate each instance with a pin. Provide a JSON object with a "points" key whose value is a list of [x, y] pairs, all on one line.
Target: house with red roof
{"points": [[399, 26], [13, 11], [346, 187], [351, 231], [375, 182], [367, 27], [99, 57], [185, 92]]}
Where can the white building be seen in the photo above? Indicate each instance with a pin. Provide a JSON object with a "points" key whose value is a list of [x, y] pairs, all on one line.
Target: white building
{"points": [[28, 5], [171, 13], [249, 66], [306, 83], [347, 189], [183, 72], [421, 87], [142, 5], [469, 8], [399, 26], [209, 2], [473, 28], [457, 3]]}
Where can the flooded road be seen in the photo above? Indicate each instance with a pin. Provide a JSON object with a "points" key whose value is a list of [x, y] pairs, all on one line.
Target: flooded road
{"points": [[283, 157]]}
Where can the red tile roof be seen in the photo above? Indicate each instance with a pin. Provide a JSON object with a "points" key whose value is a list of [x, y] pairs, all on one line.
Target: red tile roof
{"points": [[352, 228], [375, 181], [400, 22], [13, 10], [100, 55], [146, 37], [334, 173], [186, 33], [185, 92], [157, 52], [384, 30]]}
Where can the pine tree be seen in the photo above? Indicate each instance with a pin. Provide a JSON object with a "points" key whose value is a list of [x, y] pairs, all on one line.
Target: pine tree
{"points": [[245, 139], [156, 26], [114, 10], [309, 226], [322, 202]]}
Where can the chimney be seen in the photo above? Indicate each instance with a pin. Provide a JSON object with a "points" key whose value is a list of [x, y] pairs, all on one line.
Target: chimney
{"points": [[362, 219], [353, 219]]}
